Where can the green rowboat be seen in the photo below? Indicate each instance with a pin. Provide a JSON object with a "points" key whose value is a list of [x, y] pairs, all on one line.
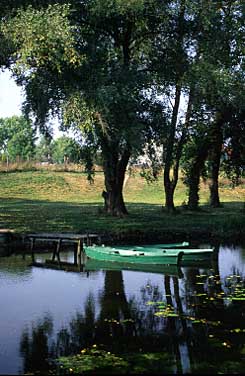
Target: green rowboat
{"points": [[150, 255], [132, 255], [192, 256]]}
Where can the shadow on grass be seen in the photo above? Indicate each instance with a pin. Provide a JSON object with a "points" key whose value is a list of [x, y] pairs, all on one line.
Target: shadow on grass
{"points": [[55, 216]]}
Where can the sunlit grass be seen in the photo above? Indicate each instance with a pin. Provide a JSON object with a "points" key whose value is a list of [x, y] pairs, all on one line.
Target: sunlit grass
{"points": [[66, 201]]}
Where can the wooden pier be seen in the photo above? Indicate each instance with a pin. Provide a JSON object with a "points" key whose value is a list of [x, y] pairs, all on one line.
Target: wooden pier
{"points": [[60, 239]]}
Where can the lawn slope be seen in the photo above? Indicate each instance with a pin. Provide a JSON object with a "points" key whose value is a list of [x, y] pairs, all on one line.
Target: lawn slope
{"points": [[36, 201]]}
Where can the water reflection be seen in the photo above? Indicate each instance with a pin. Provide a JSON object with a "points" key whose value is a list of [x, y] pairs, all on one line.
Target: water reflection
{"points": [[197, 319], [14, 269], [34, 347], [121, 326]]}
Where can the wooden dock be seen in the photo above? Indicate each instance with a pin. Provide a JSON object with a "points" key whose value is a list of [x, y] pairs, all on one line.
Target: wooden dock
{"points": [[61, 239]]}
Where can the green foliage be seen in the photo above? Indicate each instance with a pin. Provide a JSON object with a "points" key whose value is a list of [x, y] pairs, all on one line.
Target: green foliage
{"points": [[77, 114], [117, 7], [88, 63], [103, 65], [17, 138], [233, 156], [44, 149], [192, 155], [65, 149], [52, 41], [42, 36], [219, 88], [149, 175]]}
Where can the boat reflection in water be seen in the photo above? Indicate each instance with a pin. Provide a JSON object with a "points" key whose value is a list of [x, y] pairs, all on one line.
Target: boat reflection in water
{"points": [[172, 270], [175, 320]]}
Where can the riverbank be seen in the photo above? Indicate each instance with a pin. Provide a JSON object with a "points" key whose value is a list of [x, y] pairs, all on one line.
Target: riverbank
{"points": [[223, 225], [49, 201]]}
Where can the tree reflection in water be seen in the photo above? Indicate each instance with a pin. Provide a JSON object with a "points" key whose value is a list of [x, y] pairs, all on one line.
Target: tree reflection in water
{"points": [[35, 348], [193, 337]]}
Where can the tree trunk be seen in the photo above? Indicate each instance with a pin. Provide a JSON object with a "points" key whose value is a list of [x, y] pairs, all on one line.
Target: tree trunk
{"points": [[169, 197], [115, 166], [170, 185], [193, 199], [194, 177], [216, 138]]}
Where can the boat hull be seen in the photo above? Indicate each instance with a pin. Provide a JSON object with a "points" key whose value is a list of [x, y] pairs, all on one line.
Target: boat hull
{"points": [[134, 256], [199, 257]]}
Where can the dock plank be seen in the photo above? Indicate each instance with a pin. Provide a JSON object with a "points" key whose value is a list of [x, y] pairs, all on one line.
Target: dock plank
{"points": [[61, 238]]}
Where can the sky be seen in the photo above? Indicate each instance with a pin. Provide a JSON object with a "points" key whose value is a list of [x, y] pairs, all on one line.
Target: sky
{"points": [[12, 97]]}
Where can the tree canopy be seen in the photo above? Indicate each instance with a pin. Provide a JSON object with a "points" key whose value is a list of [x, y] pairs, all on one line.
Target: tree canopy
{"points": [[118, 70]]}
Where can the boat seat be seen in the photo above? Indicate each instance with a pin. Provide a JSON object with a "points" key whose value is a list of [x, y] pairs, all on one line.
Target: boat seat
{"points": [[124, 252]]}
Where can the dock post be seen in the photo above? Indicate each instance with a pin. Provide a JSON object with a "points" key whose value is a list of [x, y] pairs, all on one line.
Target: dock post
{"points": [[79, 252], [54, 252], [32, 250], [23, 247], [58, 250], [75, 255]]}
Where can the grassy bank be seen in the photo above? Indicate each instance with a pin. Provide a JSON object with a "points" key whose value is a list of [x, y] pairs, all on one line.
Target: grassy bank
{"points": [[58, 201]]}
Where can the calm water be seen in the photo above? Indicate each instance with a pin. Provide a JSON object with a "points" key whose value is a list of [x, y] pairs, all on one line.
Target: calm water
{"points": [[196, 314]]}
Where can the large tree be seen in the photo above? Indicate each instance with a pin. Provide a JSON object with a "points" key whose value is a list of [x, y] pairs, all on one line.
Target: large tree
{"points": [[88, 63], [219, 94], [175, 58], [103, 65], [221, 84]]}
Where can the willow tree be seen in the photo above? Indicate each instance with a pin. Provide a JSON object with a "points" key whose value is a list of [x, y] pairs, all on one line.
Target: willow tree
{"points": [[171, 64], [229, 86], [175, 57], [220, 77], [216, 81], [88, 63]]}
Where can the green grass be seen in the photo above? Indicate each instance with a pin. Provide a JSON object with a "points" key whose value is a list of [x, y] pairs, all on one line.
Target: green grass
{"points": [[65, 201]]}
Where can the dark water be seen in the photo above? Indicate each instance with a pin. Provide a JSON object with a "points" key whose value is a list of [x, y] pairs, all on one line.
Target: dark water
{"points": [[195, 314]]}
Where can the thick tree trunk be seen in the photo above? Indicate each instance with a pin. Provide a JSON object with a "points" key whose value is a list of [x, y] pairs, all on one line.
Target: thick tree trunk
{"points": [[216, 138], [169, 197], [114, 202], [214, 189], [115, 166], [193, 199]]}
